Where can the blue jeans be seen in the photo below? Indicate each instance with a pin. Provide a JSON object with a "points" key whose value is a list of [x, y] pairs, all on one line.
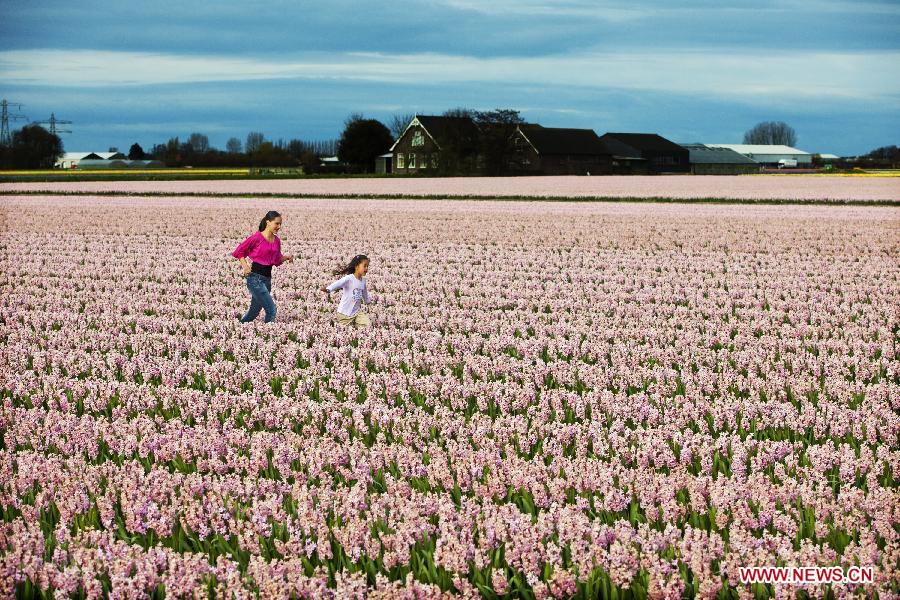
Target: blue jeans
{"points": [[260, 288]]}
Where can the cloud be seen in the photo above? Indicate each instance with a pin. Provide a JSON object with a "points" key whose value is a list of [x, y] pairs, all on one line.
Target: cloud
{"points": [[622, 12], [602, 11], [784, 77]]}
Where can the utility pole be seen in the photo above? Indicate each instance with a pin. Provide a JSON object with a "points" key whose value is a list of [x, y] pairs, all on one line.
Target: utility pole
{"points": [[5, 138]]}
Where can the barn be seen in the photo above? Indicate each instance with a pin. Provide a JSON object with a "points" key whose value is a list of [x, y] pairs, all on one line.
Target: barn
{"points": [[661, 155], [559, 151], [707, 160], [769, 155]]}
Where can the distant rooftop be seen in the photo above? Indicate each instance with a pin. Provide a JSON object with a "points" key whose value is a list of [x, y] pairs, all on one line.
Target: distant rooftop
{"points": [[758, 148], [701, 153], [558, 140]]}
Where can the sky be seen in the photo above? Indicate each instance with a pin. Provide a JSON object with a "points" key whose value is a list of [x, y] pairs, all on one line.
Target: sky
{"points": [[703, 71]]}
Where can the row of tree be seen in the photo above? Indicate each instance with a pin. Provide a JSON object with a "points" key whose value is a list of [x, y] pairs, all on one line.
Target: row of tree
{"points": [[255, 151], [485, 149]]}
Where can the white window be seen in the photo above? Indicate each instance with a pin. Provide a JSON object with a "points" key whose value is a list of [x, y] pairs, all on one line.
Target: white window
{"points": [[418, 138], [412, 161], [401, 161]]}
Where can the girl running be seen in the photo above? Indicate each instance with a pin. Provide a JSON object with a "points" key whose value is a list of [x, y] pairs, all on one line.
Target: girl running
{"points": [[264, 249], [353, 292]]}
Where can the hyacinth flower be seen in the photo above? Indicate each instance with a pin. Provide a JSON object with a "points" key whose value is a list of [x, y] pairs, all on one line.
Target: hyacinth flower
{"points": [[595, 400]]}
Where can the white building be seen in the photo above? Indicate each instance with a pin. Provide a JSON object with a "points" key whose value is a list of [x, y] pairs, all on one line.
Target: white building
{"points": [[70, 160], [769, 155]]}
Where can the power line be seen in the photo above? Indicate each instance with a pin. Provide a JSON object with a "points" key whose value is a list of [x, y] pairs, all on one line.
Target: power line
{"points": [[53, 122]]}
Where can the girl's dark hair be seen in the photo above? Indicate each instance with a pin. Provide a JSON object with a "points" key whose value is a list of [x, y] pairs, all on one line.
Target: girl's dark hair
{"points": [[350, 268], [270, 216]]}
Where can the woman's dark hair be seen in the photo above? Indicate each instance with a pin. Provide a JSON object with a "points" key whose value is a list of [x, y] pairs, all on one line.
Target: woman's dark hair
{"points": [[270, 216], [350, 268]]}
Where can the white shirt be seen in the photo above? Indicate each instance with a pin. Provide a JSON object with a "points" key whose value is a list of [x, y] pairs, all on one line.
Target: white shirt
{"points": [[353, 292]]}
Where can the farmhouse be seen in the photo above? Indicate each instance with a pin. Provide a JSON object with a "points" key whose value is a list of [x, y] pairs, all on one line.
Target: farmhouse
{"points": [[706, 160], [559, 151], [429, 141], [662, 155], [769, 155]]}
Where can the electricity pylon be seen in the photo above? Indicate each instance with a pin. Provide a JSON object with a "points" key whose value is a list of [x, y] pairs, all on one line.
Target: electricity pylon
{"points": [[5, 138]]}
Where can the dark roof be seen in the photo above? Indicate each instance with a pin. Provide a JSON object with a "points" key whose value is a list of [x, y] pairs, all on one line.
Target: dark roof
{"points": [[627, 143], [703, 154], [557, 140], [444, 128]]}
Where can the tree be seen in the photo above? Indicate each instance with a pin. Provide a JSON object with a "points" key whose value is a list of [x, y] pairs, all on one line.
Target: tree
{"points": [[497, 148], [362, 141], [33, 147], [199, 142], [885, 156], [136, 152], [398, 124], [771, 133], [883, 153], [172, 156], [233, 146], [461, 111], [309, 161], [254, 139], [352, 118], [459, 143]]}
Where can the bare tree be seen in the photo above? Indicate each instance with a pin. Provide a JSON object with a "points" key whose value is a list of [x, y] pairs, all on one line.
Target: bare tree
{"points": [[233, 146], [461, 111], [398, 123], [254, 140], [199, 142], [771, 133]]}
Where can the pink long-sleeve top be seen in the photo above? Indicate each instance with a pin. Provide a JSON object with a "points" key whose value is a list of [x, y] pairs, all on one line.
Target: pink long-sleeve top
{"points": [[260, 250]]}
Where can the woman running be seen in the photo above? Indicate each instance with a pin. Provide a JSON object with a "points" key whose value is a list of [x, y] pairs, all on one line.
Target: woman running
{"points": [[263, 248]]}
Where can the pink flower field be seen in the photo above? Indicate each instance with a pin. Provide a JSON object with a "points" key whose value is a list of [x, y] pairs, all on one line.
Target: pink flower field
{"points": [[555, 400], [757, 187]]}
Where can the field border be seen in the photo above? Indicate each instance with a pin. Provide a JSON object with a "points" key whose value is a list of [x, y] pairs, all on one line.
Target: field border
{"points": [[492, 198]]}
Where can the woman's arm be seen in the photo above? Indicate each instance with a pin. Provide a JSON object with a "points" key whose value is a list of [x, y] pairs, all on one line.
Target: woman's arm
{"points": [[243, 251], [246, 247]]}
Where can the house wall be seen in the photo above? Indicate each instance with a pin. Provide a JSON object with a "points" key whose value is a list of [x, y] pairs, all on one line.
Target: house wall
{"points": [[772, 159], [383, 164], [527, 160], [418, 143], [574, 164], [667, 161]]}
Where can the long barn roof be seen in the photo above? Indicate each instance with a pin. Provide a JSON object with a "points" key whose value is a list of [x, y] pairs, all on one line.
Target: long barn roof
{"points": [[759, 148], [701, 153], [558, 140]]}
